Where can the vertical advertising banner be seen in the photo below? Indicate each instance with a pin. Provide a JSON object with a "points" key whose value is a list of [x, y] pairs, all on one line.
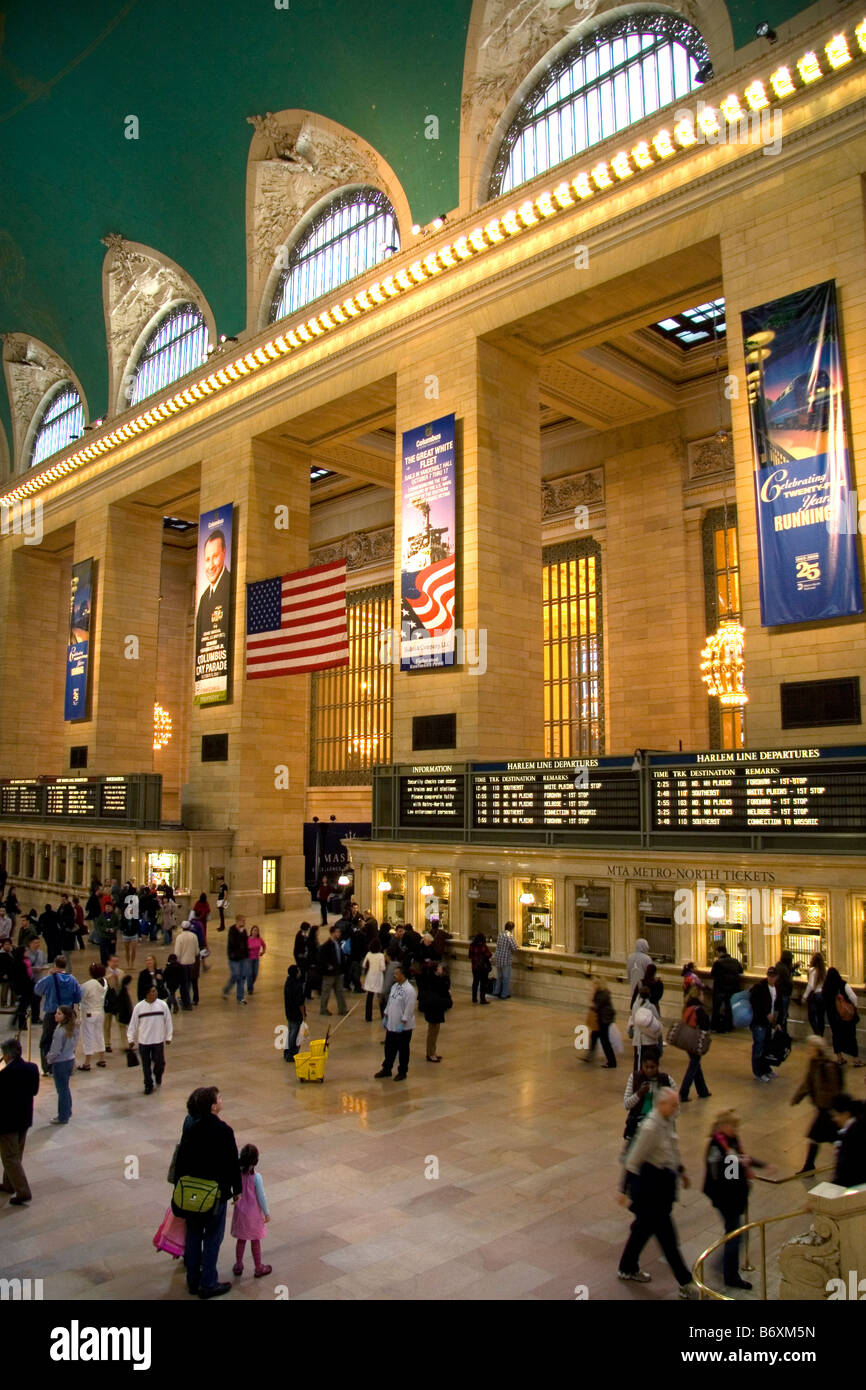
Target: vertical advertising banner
{"points": [[807, 547], [214, 615], [429, 544], [78, 647]]}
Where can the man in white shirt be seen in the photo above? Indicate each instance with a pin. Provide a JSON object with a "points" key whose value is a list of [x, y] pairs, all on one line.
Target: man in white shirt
{"points": [[151, 1027], [399, 1021]]}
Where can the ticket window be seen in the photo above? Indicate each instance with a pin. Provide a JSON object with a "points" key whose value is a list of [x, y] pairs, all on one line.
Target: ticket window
{"points": [[115, 864], [592, 907], [435, 906], [483, 897], [17, 859], [733, 931], [162, 867], [60, 863], [44, 862], [537, 915], [95, 865], [28, 865], [77, 868], [807, 936], [392, 901], [656, 924]]}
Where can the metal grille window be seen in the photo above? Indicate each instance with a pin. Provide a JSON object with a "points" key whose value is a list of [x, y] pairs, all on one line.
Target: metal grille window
{"points": [[351, 705], [572, 636], [62, 421], [177, 345], [722, 595], [613, 78], [353, 233]]}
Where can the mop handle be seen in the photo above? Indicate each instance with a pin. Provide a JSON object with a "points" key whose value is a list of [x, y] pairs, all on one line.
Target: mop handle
{"points": [[329, 1034]]}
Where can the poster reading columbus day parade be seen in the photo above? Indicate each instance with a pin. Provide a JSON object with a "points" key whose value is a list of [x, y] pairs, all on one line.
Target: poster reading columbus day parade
{"points": [[807, 546], [214, 625], [428, 558]]}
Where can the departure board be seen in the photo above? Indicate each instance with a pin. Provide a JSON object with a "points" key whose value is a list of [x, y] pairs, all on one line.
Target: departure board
{"points": [[556, 794], [433, 796], [786, 791], [133, 800]]}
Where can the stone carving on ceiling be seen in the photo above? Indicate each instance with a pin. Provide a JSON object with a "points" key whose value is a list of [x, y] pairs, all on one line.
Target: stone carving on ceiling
{"points": [[360, 550], [710, 455], [32, 369], [138, 283], [564, 494], [294, 163]]}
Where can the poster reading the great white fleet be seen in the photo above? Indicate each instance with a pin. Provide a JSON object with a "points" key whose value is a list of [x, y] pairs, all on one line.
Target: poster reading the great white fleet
{"points": [[429, 543], [807, 548], [78, 645], [214, 626]]}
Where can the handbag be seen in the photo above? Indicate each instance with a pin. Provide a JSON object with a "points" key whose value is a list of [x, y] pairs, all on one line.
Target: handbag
{"points": [[844, 1008], [171, 1235], [691, 1040], [132, 1057], [195, 1196]]}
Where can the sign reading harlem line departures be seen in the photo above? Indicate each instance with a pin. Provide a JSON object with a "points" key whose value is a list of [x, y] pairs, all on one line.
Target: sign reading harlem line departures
{"points": [[429, 546]]}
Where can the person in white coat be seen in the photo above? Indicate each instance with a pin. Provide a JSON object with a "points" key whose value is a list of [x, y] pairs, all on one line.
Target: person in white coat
{"points": [[637, 962], [399, 1021], [151, 1027], [373, 974], [92, 1009], [644, 1025]]}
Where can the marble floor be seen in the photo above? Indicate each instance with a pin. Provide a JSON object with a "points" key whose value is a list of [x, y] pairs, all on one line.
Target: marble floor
{"points": [[491, 1176]]}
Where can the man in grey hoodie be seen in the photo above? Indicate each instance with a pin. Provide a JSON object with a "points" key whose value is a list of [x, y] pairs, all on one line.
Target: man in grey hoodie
{"points": [[637, 962]]}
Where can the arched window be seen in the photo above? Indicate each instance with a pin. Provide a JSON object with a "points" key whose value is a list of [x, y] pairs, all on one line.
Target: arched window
{"points": [[176, 346], [611, 79], [354, 232], [62, 421]]}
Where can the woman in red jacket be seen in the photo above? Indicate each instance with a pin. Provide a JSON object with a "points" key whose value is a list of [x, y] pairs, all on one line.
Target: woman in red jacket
{"points": [[479, 957]]}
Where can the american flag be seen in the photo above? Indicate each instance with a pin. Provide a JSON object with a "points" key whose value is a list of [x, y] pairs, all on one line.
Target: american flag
{"points": [[297, 623], [435, 607]]}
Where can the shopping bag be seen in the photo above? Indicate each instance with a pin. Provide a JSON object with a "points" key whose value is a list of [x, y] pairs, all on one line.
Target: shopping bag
{"points": [[131, 1057], [171, 1236], [303, 1037], [615, 1038], [741, 1009]]}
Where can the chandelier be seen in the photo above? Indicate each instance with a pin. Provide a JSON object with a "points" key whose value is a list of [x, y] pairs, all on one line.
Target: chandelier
{"points": [[161, 727], [723, 666]]}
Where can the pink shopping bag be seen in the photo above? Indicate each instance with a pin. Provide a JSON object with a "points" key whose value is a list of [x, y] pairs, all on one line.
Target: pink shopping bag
{"points": [[171, 1236]]}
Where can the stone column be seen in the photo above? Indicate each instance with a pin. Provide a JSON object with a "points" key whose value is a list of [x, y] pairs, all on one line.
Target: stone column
{"points": [[495, 399], [125, 539], [34, 602], [562, 923], [266, 720]]}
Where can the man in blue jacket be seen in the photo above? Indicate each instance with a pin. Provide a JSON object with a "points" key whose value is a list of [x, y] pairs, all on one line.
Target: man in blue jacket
{"points": [[19, 1083], [56, 988]]}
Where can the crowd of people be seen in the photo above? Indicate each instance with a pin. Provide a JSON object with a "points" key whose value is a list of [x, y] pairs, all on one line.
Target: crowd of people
{"points": [[402, 973]]}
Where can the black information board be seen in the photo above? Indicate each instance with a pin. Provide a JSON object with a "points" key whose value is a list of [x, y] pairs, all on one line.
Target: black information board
{"points": [[556, 794], [809, 790], [134, 800], [433, 796]]}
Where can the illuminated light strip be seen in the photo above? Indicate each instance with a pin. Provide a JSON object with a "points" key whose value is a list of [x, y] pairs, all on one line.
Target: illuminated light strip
{"points": [[785, 81]]}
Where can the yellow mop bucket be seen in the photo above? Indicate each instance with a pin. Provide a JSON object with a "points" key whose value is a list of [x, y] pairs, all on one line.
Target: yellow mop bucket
{"points": [[310, 1066]]}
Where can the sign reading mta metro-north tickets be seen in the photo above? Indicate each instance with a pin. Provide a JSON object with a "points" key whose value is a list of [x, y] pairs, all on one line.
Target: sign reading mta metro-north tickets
{"points": [[807, 548], [429, 544], [78, 647], [214, 615]]}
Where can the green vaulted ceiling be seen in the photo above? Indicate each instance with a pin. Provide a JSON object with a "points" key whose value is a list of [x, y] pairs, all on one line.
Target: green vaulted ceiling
{"points": [[70, 73]]}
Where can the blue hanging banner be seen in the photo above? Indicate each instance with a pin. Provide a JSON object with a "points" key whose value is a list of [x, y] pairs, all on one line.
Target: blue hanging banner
{"points": [[807, 544], [78, 646]]}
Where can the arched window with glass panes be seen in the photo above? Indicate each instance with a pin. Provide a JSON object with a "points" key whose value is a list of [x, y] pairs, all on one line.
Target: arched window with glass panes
{"points": [[62, 422], [177, 345], [611, 79], [351, 234]]}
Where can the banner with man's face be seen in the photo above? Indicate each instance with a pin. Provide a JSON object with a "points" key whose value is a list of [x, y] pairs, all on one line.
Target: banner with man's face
{"points": [[214, 617]]}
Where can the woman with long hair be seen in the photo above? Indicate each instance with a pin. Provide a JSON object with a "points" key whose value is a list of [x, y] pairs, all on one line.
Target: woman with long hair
{"points": [[479, 956], [822, 1083], [61, 1060], [257, 948], [93, 996], [813, 995]]}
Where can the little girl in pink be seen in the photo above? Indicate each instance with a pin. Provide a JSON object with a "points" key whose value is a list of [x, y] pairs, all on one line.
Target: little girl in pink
{"points": [[250, 1214]]}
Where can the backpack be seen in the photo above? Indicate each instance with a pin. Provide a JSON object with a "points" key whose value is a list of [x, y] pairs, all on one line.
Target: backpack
{"points": [[194, 1196]]}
